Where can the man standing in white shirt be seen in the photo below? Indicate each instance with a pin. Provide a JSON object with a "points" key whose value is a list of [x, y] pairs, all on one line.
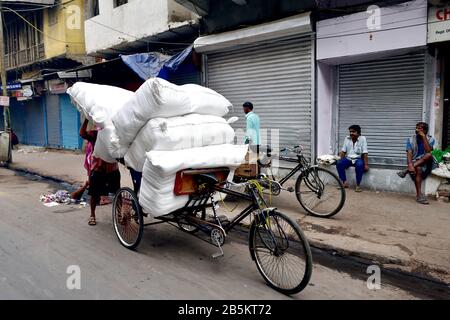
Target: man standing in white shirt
{"points": [[354, 153]]}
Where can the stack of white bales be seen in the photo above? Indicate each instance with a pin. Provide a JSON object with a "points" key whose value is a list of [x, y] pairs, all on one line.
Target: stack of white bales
{"points": [[165, 128], [99, 103]]}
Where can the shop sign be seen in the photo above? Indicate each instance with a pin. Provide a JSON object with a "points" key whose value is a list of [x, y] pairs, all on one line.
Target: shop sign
{"points": [[4, 101], [439, 24], [12, 86], [58, 88], [27, 91]]}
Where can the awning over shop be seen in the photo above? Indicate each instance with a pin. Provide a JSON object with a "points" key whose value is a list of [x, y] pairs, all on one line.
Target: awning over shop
{"points": [[291, 26], [153, 64]]}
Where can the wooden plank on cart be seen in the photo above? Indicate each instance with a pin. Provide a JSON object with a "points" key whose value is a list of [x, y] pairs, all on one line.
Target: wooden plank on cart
{"points": [[185, 182]]}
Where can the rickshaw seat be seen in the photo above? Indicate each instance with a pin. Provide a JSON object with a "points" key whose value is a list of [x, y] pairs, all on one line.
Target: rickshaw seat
{"points": [[208, 178]]}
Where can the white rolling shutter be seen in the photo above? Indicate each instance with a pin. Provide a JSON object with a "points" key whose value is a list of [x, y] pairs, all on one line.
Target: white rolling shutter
{"points": [[277, 78], [386, 98]]}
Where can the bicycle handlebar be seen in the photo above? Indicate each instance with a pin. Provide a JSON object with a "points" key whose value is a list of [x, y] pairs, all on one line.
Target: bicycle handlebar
{"points": [[297, 149]]}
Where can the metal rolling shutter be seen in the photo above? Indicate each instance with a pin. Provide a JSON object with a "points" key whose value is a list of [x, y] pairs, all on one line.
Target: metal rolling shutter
{"points": [[185, 78], [18, 118], [277, 78], [386, 99], [53, 121], [35, 122], [70, 124]]}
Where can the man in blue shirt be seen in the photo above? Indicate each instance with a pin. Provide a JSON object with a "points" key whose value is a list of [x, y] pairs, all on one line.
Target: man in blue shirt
{"points": [[252, 136], [354, 153], [420, 159]]}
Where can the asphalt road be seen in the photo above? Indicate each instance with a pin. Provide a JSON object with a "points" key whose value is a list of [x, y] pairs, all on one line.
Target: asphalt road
{"points": [[39, 244]]}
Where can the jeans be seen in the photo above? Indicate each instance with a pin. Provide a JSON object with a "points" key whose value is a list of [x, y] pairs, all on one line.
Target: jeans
{"points": [[345, 163]]}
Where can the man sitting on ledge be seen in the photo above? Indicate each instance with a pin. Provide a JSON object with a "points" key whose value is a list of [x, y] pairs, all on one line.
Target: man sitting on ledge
{"points": [[420, 159]]}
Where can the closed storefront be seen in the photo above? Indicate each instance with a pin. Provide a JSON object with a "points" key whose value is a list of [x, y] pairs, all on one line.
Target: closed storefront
{"points": [[386, 98], [17, 110], [70, 124], [277, 79], [35, 122], [276, 74], [53, 121]]}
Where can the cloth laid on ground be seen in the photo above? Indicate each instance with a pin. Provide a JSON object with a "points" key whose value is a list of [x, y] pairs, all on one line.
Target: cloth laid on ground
{"points": [[177, 133], [58, 198], [157, 197], [158, 98]]}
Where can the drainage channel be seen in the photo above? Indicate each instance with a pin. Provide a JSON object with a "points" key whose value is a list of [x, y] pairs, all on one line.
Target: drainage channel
{"points": [[355, 267]]}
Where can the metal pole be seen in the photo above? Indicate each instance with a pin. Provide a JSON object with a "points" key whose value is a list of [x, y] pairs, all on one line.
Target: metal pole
{"points": [[2, 64], [4, 80]]}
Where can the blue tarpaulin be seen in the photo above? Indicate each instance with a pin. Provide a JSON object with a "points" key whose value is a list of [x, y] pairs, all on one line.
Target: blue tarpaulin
{"points": [[154, 64]]}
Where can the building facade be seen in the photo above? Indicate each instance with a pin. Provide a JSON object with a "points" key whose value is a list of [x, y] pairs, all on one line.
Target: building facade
{"points": [[370, 64], [39, 43]]}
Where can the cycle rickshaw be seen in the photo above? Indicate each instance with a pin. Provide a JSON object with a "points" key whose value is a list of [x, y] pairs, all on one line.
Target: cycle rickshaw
{"points": [[276, 243]]}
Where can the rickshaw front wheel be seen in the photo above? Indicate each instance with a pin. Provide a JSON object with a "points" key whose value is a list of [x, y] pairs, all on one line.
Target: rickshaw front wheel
{"points": [[127, 217]]}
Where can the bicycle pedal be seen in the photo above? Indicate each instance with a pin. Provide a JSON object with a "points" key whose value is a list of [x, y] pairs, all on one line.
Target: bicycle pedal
{"points": [[290, 189]]}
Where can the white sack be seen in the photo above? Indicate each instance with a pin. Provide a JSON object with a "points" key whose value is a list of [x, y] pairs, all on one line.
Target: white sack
{"points": [[169, 134], [158, 98], [158, 180], [207, 101], [98, 102], [107, 146]]}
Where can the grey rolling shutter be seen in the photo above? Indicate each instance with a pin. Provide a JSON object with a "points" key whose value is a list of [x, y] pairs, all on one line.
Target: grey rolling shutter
{"points": [[277, 78], [386, 99], [35, 122], [53, 121]]}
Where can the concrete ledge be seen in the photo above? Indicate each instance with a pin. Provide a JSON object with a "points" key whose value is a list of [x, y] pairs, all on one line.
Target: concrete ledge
{"points": [[378, 179]]}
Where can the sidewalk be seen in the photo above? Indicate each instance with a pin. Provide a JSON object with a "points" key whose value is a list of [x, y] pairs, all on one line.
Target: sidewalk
{"points": [[386, 228]]}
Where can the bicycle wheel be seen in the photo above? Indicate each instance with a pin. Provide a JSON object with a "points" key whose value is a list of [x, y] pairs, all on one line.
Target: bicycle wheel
{"points": [[127, 218], [281, 253], [320, 192]]}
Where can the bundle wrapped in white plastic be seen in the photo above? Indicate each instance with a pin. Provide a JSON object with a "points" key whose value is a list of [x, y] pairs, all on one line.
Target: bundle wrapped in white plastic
{"points": [[98, 102], [108, 147], [177, 133], [157, 196], [158, 98]]}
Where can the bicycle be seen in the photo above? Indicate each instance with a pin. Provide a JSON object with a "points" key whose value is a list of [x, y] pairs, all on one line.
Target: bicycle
{"points": [[319, 191], [276, 243]]}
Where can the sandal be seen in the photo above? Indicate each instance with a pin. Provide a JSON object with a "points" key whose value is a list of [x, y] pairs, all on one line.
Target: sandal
{"points": [[358, 189], [92, 221], [422, 200]]}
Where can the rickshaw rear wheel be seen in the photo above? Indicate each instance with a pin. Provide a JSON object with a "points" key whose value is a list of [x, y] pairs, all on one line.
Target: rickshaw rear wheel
{"points": [[127, 217]]}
